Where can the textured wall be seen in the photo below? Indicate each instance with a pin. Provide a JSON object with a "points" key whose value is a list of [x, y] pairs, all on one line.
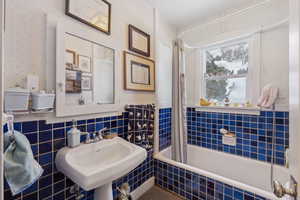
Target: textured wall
{"points": [[274, 55], [27, 52]]}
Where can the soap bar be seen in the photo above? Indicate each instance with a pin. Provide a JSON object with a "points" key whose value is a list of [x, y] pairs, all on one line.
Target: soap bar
{"points": [[110, 136]]}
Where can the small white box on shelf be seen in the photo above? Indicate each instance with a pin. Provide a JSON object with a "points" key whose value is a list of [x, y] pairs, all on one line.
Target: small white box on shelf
{"points": [[42, 100], [16, 99]]}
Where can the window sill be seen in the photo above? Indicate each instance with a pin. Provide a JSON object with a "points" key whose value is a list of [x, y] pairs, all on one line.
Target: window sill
{"points": [[229, 109]]}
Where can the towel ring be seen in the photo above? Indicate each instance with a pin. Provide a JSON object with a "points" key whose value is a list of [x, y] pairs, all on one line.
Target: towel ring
{"points": [[9, 118]]}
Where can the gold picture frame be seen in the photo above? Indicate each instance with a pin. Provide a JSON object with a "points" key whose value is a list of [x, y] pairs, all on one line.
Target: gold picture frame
{"points": [[139, 73], [70, 59]]}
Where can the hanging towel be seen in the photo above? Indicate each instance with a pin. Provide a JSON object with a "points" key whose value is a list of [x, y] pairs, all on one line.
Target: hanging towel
{"points": [[21, 170], [268, 96]]}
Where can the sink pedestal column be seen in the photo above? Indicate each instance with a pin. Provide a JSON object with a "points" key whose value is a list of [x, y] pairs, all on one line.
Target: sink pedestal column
{"points": [[104, 192]]}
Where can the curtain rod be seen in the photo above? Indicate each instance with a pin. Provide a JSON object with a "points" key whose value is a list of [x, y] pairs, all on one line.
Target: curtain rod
{"points": [[221, 18], [270, 27], [250, 33]]}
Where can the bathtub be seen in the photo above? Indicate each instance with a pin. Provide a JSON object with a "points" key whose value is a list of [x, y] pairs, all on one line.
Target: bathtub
{"points": [[243, 173]]}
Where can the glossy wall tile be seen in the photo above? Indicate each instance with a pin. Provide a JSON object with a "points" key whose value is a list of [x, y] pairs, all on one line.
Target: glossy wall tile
{"points": [[192, 186], [165, 128], [47, 139], [254, 133]]}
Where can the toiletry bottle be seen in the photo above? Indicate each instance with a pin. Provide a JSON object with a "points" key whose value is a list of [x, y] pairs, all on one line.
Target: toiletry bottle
{"points": [[73, 136]]}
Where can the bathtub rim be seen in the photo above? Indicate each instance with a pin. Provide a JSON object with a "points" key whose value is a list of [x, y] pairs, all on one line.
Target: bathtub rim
{"points": [[160, 156]]}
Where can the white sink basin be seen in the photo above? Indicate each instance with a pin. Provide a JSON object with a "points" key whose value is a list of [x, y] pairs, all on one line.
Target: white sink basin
{"points": [[96, 165]]}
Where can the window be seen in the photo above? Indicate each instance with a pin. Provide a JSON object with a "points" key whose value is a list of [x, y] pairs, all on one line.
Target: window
{"points": [[225, 72]]}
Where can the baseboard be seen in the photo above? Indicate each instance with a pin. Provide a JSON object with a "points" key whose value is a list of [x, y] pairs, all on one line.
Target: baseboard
{"points": [[138, 192]]}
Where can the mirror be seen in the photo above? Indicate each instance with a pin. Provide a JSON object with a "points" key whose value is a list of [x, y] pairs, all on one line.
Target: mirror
{"points": [[89, 72], [86, 80]]}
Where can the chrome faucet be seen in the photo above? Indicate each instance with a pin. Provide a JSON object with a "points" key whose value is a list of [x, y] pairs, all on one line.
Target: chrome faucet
{"points": [[99, 135], [94, 137], [90, 138], [289, 189]]}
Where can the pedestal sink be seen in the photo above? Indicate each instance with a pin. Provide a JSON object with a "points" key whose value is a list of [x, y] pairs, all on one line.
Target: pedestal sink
{"points": [[96, 165]]}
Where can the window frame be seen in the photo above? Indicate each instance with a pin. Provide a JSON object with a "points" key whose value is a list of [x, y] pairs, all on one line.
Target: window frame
{"points": [[231, 42]]}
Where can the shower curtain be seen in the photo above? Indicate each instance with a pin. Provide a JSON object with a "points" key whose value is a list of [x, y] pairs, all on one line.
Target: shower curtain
{"points": [[179, 132]]}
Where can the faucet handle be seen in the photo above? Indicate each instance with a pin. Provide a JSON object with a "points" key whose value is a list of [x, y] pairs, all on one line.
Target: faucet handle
{"points": [[100, 133], [88, 139], [98, 136]]}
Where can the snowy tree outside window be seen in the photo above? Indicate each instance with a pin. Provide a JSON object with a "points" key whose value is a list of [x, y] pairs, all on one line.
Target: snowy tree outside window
{"points": [[226, 69]]}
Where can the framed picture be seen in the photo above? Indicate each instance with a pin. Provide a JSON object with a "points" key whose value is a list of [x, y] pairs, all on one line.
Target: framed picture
{"points": [[73, 81], [139, 73], [95, 13], [86, 83], [70, 59], [84, 63], [139, 41]]}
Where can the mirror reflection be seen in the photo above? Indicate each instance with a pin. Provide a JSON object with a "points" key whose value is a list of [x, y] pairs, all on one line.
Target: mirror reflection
{"points": [[89, 70]]}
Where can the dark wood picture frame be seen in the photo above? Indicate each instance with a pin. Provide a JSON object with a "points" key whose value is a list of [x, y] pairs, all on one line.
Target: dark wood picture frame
{"points": [[132, 29], [108, 32], [126, 79]]}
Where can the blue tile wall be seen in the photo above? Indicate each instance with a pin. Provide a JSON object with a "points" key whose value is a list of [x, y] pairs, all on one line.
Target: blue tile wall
{"points": [[47, 139], [192, 186], [165, 129], [137, 176], [254, 133]]}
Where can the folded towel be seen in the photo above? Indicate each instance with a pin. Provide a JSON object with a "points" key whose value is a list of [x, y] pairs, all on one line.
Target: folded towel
{"points": [[21, 170], [268, 96]]}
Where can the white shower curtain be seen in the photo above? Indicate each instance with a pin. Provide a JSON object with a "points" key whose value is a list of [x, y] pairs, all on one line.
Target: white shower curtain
{"points": [[179, 132]]}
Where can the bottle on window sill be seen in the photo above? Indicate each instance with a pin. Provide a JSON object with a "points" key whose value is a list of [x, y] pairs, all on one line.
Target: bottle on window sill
{"points": [[226, 101]]}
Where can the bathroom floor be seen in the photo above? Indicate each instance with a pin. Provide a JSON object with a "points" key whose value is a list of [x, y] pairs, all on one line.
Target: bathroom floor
{"points": [[157, 193]]}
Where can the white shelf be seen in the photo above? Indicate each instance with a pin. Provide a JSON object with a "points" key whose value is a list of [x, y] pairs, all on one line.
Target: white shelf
{"points": [[33, 112], [229, 109]]}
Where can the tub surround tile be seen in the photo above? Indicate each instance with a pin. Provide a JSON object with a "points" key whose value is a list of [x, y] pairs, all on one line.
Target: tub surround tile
{"points": [[165, 129], [47, 139], [192, 186], [254, 133]]}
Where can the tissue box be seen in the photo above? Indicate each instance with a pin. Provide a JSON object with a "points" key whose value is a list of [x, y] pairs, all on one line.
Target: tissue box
{"points": [[16, 99], [42, 100]]}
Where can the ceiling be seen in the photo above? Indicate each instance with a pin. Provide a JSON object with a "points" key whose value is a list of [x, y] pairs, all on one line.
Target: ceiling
{"points": [[185, 13]]}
